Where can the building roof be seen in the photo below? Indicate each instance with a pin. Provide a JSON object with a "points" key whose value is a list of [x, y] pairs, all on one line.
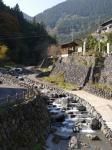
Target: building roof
{"points": [[106, 23], [70, 44]]}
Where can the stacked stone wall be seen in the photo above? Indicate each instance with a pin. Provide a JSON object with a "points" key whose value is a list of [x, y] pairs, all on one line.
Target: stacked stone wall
{"points": [[106, 73], [24, 125], [85, 70], [75, 68]]}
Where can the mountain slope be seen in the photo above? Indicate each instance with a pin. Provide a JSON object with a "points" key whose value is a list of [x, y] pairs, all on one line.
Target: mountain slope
{"points": [[27, 42], [82, 16], [27, 17]]}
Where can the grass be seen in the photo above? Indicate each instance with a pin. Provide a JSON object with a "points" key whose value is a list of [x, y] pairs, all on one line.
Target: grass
{"points": [[60, 82], [45, 69], [102, 87]]}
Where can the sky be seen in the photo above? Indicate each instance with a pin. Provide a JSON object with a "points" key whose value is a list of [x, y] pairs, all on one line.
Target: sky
{"points": [[32, 7]]}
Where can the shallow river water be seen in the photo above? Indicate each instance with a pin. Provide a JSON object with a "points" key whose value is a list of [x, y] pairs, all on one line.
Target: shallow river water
{"points": [[68, 121]]}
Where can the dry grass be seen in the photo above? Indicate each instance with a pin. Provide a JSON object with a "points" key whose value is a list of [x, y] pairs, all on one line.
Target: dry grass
{"points": [[60, 82]]}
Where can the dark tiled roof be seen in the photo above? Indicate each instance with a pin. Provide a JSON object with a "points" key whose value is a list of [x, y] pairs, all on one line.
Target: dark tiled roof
{"points": [[106, 23], [70, 44]]}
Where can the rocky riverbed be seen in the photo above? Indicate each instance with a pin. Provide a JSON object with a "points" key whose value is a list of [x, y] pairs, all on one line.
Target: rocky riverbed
{"points": [[72, 126], [74, 123]]}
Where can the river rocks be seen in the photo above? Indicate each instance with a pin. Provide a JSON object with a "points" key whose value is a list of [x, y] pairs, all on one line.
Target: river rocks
{"points": [[82, 108], [85, 145], [58, 118], [73, 143], [95, 125], [93, 137], [42, 116], [89, 108]]}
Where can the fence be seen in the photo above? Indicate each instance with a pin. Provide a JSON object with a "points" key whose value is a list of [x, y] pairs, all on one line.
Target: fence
{"points": [[27, 94]]}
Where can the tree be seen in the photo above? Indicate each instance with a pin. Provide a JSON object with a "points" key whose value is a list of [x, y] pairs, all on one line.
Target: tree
{"points": [[3, 51], [27, 42], [91, 43], [16, 8]]}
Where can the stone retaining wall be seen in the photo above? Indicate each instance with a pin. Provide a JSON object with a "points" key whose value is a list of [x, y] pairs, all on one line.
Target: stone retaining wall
{"points": [[25, 122], [106, 73], [76, 69], [99, 92], [81, 70], [23, 126]]}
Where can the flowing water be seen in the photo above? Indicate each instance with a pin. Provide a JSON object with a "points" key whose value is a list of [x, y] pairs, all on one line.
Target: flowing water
{"points": [[68, 122]]}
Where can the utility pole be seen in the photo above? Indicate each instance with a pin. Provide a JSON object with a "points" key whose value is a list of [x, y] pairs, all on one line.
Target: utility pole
{"points": [[72, 33], [99, 44], [84, 46], [108, 48]]}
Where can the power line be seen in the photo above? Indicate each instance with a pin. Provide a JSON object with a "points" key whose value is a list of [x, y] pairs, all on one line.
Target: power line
{"points": [[22, 37]]}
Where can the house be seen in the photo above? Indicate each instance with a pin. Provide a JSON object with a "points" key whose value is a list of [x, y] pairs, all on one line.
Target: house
{"points": [[68, 48], [106, 27]]}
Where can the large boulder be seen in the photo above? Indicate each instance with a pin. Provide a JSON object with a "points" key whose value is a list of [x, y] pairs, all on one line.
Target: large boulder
{"points": [[93, 137], [82, 108], [95, 124], [58, 117], [73, 143]]}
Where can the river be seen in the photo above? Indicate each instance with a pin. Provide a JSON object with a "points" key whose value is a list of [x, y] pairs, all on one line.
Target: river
{"points": [[71, 125]]}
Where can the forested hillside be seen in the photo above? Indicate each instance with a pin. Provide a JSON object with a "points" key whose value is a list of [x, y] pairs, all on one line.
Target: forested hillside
{"points": [[78, 16], [26, 43]]}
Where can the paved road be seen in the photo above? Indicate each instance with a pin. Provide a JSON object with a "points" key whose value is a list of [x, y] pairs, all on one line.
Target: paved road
{"points": [[103, 106]]}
